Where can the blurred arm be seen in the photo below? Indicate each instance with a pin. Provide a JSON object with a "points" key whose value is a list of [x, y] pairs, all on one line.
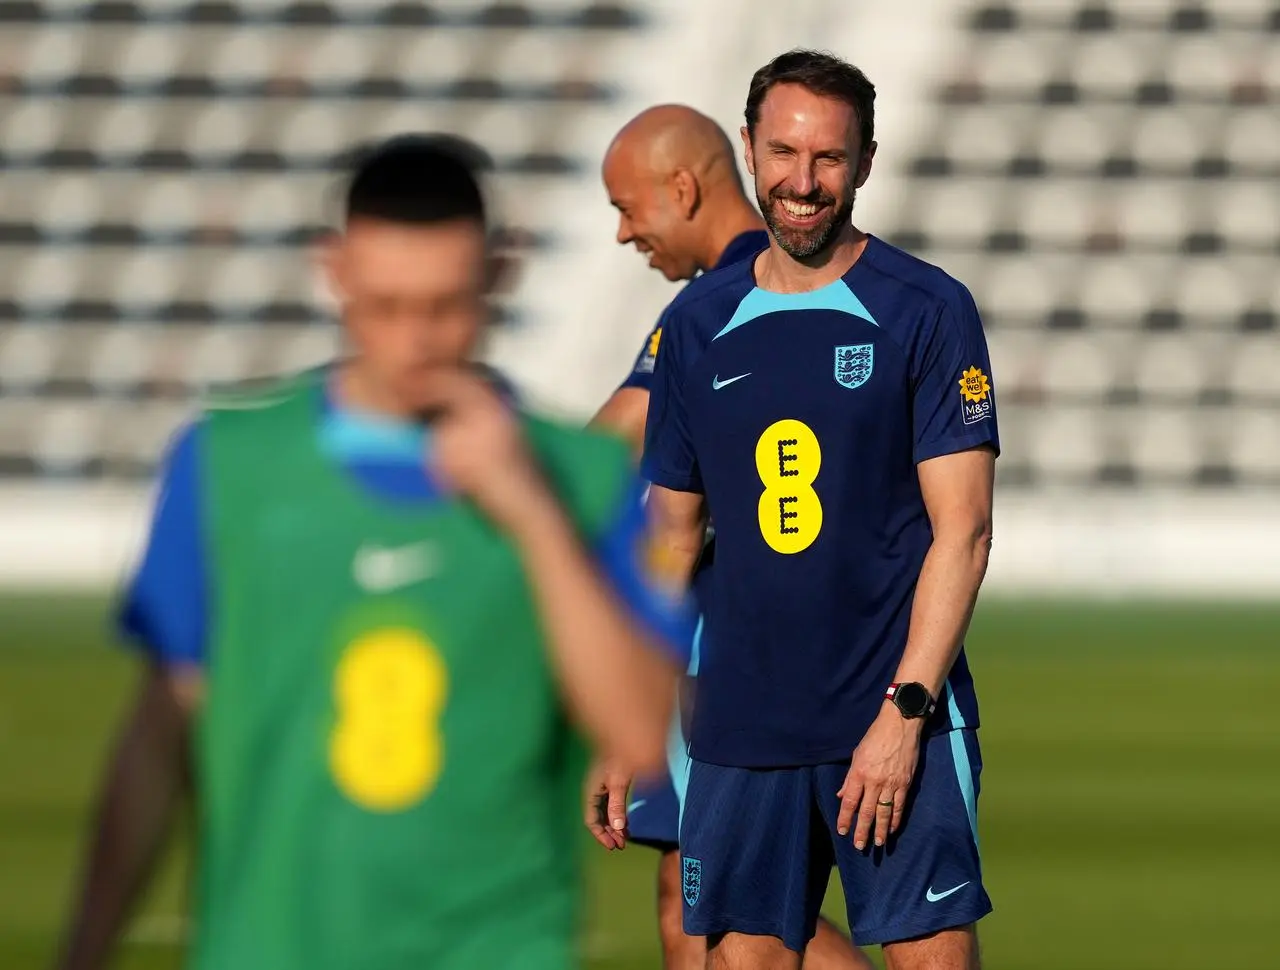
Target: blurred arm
{"points": [[617, 677], [957, 492], [624, 415], [144, 784], [678, 522]]}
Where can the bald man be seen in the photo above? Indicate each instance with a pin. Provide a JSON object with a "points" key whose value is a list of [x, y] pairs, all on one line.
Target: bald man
{"points": [[672, 174]]}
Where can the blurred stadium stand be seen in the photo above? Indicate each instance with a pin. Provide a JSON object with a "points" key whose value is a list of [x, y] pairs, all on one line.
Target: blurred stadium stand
{"points": [[1103, 176], [160, 155]]}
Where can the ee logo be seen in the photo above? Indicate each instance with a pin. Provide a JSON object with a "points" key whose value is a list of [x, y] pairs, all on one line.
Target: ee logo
{"points": [[788, 458]]}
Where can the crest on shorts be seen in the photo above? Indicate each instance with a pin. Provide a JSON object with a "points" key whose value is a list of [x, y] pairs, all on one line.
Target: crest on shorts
{"points": [[691, 880], [853, 364]]}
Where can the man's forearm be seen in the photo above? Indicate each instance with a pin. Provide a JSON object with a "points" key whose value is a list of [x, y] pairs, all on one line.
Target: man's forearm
{"points": [[143, 788], [617, 682], [945, 596]]}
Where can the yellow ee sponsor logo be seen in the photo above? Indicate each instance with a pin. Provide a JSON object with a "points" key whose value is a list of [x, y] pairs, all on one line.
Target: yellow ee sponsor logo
{"points": [[386, 751], [788, 458], [975, 395]]}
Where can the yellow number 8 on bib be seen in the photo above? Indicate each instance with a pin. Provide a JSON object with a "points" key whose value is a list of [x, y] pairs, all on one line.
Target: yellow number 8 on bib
{"points": [[788, 457], [386, 752]]}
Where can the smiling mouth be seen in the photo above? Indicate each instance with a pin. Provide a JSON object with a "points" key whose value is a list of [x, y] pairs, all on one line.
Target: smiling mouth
{"points": [[803, 213]]}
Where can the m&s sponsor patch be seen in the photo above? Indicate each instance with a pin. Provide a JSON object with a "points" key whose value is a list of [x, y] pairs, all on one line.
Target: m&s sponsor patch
{"points": [[975, 395]]}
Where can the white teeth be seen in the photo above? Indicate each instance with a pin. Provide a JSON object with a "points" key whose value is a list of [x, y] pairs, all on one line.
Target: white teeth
{"points": [[801, 209]]}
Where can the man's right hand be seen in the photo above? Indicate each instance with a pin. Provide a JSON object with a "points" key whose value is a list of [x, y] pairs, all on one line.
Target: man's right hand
{"points": [[605, 810]]}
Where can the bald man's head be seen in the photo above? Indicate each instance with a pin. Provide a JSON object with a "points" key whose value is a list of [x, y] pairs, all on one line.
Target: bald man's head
{"points": [[668, 171]]}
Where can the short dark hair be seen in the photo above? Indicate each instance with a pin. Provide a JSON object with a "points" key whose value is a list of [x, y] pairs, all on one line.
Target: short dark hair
{"points": [[419, 180], [823, 74]]}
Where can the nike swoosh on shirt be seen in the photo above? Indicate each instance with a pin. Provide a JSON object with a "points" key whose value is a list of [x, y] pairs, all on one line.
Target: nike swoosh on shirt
{"points": [[716, 383], [933, 897], [634, 805]]}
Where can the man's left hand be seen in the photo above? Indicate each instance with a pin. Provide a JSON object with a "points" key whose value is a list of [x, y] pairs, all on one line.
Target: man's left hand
{"points": [[875, 789]]}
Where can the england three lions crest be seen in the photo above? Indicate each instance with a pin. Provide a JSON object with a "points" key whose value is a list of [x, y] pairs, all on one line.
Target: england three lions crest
{"points": [[692, 880], [854, 364]]}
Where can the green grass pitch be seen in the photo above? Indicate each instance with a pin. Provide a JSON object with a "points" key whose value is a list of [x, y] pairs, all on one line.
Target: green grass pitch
{"points": [[1130, 811]]}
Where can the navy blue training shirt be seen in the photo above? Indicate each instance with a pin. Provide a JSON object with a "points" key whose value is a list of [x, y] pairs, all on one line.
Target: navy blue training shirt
{"points": [[744, 245], [801, 418]]}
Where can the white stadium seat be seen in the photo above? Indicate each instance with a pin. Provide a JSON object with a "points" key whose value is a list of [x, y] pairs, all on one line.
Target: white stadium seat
{"points": [[1166, 138], [1078, 137], [1152, 212], [70, 204], [122, 357], [149, 279], [48, 277], [219, 131], [1205, 64], [317, 130], [1249, 212], [1016, 61], [1255, 373], [984, 136], [168, 205], [1078, 365], [1253, 137], [1021, 287], [1211, 292], [268, 206], [245, 56], [1111, 63], [1255, 443], [27, 354], [1172, 366], [30, 128], [126, 130], [1055, 211], [68, 433], [1115, 292], [1067, 442], [218, 356], [54, 54], [342, 56], [151, 55], [1162, 442], [956, 211]]}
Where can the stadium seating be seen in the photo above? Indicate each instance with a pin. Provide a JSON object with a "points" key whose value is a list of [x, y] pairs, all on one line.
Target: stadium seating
{"points": [[1103, 175], [168, 162]]}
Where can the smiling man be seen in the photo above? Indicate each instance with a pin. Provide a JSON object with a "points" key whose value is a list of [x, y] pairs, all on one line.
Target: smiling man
{"points": [[828, 404]]}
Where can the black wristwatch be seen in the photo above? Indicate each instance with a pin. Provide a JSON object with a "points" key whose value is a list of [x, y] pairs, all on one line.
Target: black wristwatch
{"points": [[911, 700]]}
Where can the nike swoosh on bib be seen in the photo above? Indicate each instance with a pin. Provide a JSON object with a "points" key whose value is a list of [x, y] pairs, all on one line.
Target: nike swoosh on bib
{"points": [[716, 383]]}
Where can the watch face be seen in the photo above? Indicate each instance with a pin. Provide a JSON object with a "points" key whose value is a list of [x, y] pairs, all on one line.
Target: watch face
{"points": [[913, 700]]}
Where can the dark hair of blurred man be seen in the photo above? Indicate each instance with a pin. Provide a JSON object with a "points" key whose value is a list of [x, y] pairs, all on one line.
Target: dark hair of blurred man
{"points": [[371, 625]]}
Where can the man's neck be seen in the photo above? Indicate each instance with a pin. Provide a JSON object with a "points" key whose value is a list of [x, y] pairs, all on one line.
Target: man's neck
{"points": [[779, 272], [727, 226], [352, 389]]}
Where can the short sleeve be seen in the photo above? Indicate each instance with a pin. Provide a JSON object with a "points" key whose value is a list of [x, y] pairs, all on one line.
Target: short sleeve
{"points": [[669, 458], [624, 554], [163, 610], [641, 375], [953, 403]]}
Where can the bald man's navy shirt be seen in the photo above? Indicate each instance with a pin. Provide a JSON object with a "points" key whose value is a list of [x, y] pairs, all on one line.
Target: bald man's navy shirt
{"points": [[802, 418]]}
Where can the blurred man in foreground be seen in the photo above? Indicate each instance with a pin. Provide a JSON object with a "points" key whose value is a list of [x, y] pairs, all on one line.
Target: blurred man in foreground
{"points": [[671, 174], [368, 612], [828, 406]]}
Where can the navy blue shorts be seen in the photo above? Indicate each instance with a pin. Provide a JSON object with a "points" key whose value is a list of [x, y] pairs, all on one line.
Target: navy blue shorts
{"points": [[757, 847]]}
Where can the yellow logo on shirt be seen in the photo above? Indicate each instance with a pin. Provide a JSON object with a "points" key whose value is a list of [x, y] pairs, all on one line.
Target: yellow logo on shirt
{"points": [[655, 338], [974, 385]]}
